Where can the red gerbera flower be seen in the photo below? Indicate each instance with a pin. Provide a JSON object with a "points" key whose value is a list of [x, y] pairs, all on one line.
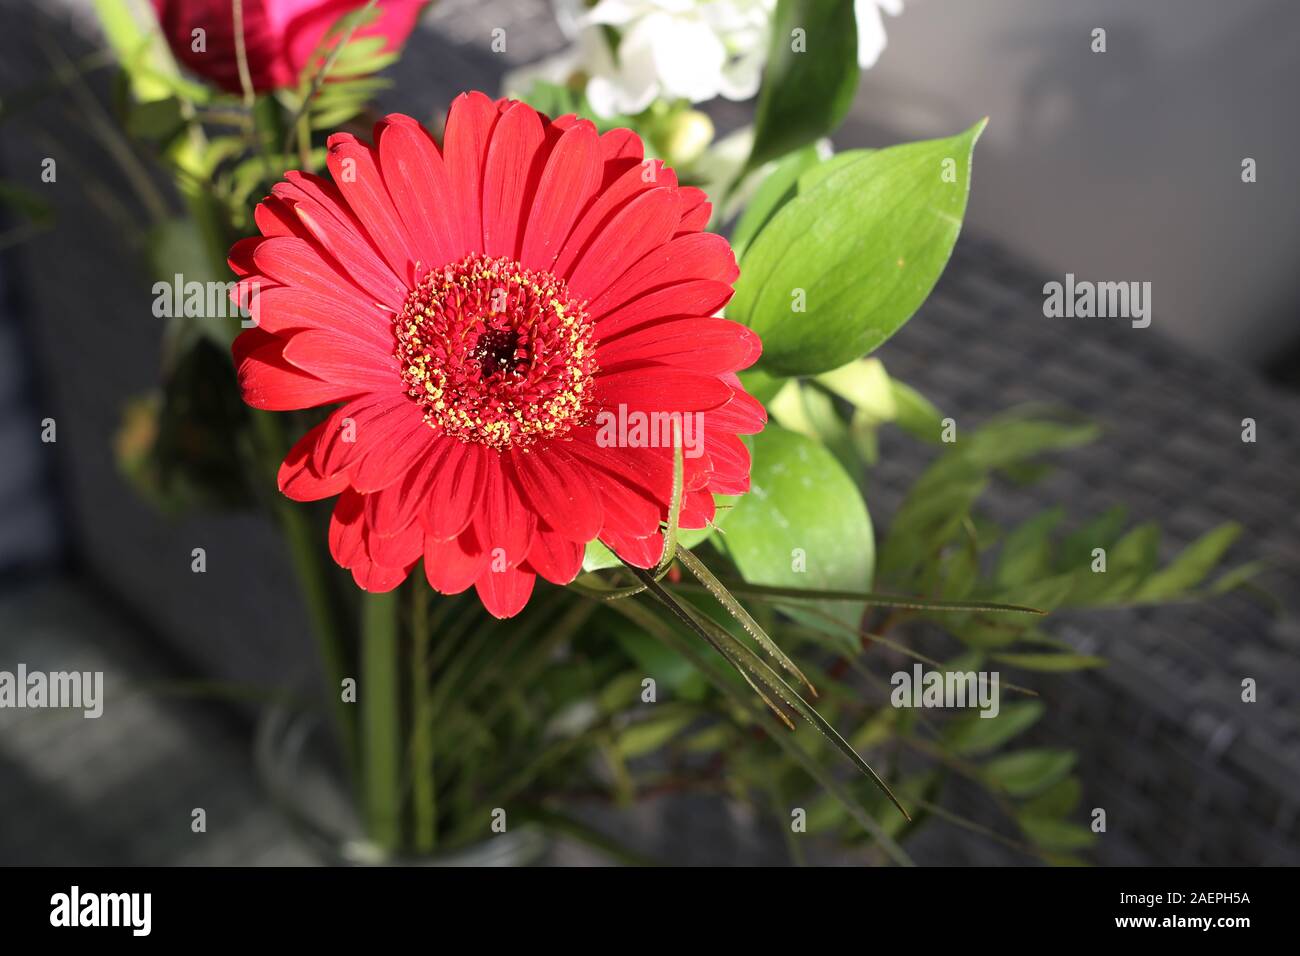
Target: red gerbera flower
{"points": [[482, 311]]}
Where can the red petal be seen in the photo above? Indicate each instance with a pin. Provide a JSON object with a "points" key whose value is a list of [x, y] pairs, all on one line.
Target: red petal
{"points": [[394, 508], [452, 566], [396, 446], [509, 176], [340, 358], [660, 388], [301, 264], [708, 346], [347, 529], [268, 382], [555, 556], [644, 224], [376, 578], [281, 308], [411, 162], [700, 255], [642, 552], [606, 205], [355, 168], [730, 460], [299, 480], [699, 297], [570, 178], [503, 521], [696, 210], [399, 550], [455, 489], [504, 593], [558, 489], [469, 128], [352, 429], [353, 251]]}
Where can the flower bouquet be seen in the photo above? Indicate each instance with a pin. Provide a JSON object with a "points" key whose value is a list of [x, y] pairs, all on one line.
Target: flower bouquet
{"points": [[567, 411]]}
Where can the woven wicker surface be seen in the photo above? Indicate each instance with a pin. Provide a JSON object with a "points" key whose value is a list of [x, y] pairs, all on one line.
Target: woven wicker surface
{"points": [[1186, 771]]}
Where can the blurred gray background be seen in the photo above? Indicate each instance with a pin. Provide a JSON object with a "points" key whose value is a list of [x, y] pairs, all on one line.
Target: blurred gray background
{"points": [[1116, 166]]}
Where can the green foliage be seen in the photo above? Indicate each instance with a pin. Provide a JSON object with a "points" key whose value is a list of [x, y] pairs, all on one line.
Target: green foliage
{"points": [[810, 77], [842, 265], [803, 523]]}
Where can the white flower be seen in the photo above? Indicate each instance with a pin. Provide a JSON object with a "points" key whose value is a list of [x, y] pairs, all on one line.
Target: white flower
{"points": [[871, 28], [691, 50]]}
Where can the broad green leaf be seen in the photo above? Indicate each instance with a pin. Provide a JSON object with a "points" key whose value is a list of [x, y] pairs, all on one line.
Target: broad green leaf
{"points": [[1190, 568], [761, 385], [1028, 772], [813, 176], [598, 557], [803, 523], [810, 77], [842, 266], [776, 190], [973, 734]]}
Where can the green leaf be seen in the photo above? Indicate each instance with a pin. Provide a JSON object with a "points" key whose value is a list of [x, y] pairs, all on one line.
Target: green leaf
{"points": [[1027, 552], [862, 249], [802, 511], [814, 175], [776, 190], [1130, 562], [674, 502], [761, 385], [719, 677], [782, 595], [810, 78], [1028, 772], [647, 736], [1056, 834], [973, 734], [1190, 568], [1051, 662], [126, 27], [779, 696], [917, 415], [865, 385], [1101, 532], [670, 671], [598, 557], [742, 617], [1059, 799]]}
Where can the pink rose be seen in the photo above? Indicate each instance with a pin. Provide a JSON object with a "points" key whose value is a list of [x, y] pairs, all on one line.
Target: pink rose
{"points": [[279, 35]]}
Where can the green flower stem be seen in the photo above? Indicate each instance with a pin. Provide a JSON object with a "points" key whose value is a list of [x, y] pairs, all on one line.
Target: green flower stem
{"points": [[306, 551], [422, 755], [379, 696]]}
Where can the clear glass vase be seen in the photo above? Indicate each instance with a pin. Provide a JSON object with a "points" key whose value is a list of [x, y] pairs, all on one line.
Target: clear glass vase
{"points": [[302, 770]]}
